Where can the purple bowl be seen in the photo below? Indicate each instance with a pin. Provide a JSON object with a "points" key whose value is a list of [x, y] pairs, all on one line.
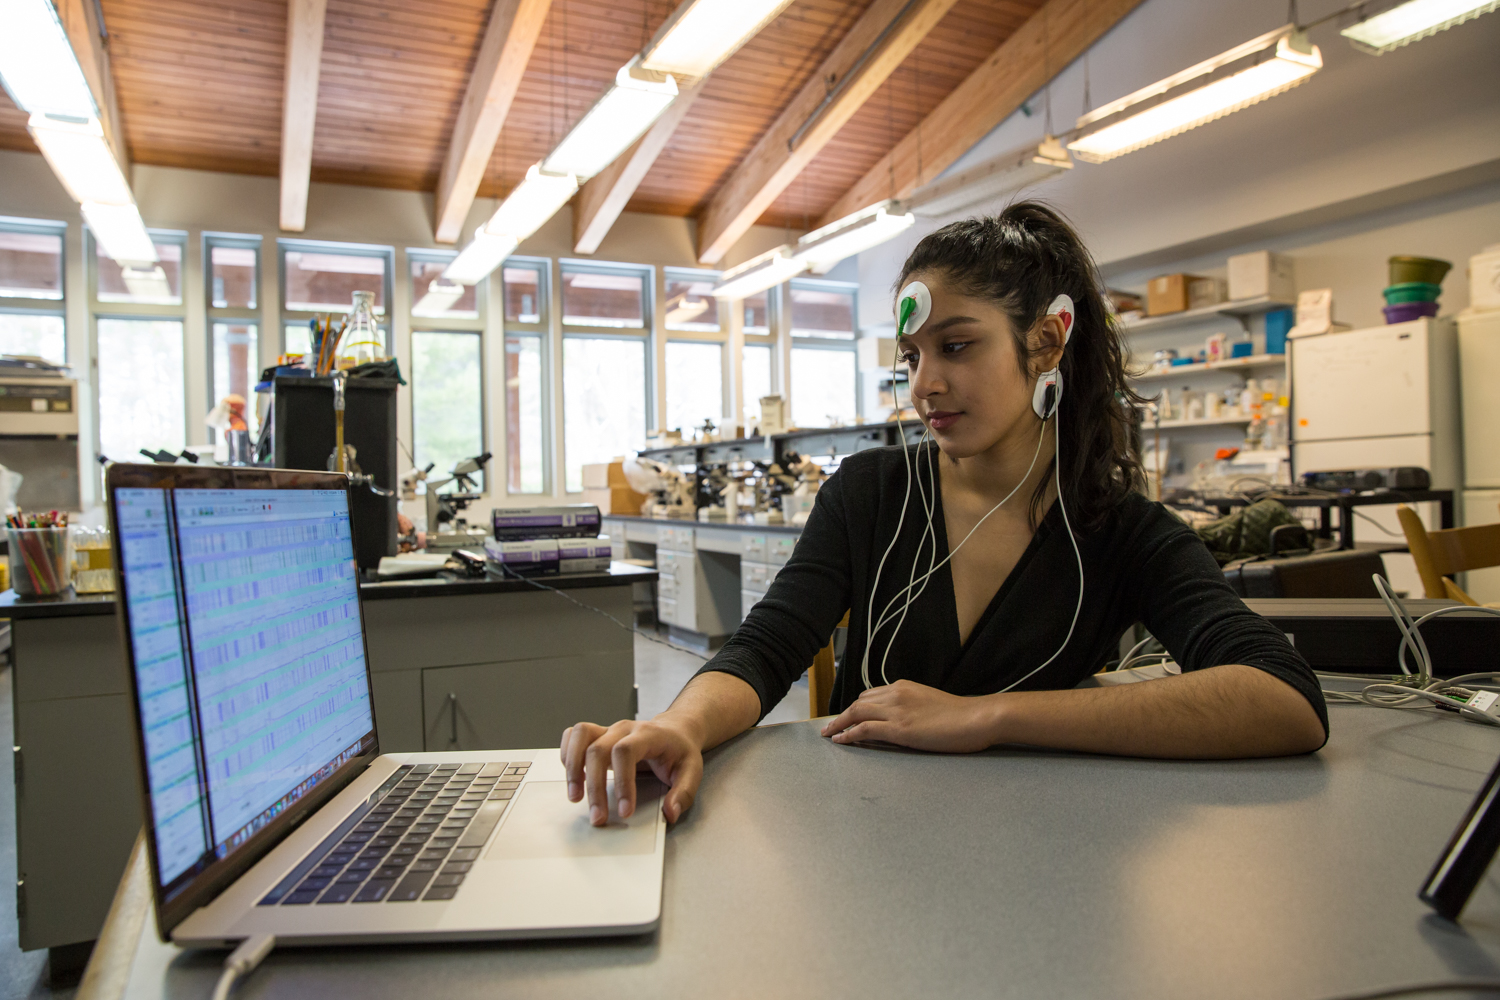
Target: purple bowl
{"points": [[1405, 312]]}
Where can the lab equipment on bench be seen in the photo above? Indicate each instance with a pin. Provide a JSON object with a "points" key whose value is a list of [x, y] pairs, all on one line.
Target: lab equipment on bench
{"points": [[574, 520], [39, 432], [448, 527]]}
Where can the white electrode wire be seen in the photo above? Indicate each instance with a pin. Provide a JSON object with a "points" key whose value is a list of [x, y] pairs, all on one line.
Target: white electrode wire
{"points": [[886, 614], [1133, 650], [928, 533], [1077, 608], [1409, 635]]}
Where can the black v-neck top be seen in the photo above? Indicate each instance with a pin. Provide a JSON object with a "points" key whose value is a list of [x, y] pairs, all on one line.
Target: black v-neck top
{"points": [[1144, 565]]}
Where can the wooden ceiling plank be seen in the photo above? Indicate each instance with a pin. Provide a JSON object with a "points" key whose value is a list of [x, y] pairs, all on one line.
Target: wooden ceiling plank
{"points": [[1053, 37], [299, 109], [771, 166], [508, 42], [604, 197]]}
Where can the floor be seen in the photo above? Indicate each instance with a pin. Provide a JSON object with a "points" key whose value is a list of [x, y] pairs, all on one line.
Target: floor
{"points": [[660, 670]]}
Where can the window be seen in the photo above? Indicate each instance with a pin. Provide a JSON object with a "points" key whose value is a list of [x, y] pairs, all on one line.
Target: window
{"points": [[823, 392], [31, 290], [758, 314], [434, 298], [822, 309], [232, 275], [690, 301], [604, 407], [757, 377], [603, 297], [236, 363], [447, 405], [523, 293], [150, 284], [525, 441], [233, 279], [321, 278], [695, 385], [141, 383]]}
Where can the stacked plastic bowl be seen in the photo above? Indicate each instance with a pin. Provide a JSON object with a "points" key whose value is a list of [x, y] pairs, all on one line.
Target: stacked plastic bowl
{"points": [[1416, 283]]}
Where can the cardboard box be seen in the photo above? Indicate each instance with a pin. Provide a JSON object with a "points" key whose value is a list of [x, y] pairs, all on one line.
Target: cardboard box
{"points": [[1262, 273], [604, 476], [1168, 294], [615, 500], [876, 352], [1204, 292], [1484, 279]]}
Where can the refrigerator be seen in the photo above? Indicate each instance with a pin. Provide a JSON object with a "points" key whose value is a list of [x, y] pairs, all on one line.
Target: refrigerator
{"points": [[1378, 398], [1479, 358]]}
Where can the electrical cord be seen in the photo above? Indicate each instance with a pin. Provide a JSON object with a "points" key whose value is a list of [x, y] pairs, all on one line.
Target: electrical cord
{"points": [[242, 961]]}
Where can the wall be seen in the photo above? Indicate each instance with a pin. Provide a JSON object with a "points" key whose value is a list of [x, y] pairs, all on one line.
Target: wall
{"points": [[202, 201]]}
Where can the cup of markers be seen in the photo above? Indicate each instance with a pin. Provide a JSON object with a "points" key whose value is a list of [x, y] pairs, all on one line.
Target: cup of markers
{"points": [[41, 559]]}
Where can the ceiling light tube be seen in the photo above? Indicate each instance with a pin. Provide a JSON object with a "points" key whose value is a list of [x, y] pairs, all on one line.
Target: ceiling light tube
{"points": [[147, 283], [81, 158], [485, 252], [1245, 75], [616, 120], [440, 297], [532, 202], [1411, 21], [37, 64], [120, 232], [824, 248], [989, 180], [701, 34], [759, 273]]}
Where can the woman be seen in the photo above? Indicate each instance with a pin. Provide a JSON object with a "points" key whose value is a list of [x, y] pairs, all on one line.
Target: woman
{"points": [[962, 648]]}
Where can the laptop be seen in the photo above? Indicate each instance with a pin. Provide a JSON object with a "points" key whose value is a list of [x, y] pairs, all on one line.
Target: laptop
{"points": [[269, 806]]}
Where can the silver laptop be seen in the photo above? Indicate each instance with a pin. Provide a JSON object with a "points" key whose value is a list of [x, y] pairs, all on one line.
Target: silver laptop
{"points": [[269, 807]]}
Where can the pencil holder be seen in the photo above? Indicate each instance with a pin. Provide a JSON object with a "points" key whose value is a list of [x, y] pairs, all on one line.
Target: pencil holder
{"points": [[41, 561]]}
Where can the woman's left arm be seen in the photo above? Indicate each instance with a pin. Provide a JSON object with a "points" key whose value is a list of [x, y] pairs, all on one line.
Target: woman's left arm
{"points": [[1219, 712]]}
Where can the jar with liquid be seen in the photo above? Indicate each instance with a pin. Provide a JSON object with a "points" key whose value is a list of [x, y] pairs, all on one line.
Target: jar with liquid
{"points": [[362, 341]]}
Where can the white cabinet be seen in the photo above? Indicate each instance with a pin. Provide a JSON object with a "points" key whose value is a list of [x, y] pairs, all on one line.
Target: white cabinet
{"points": [[1479, 357]]}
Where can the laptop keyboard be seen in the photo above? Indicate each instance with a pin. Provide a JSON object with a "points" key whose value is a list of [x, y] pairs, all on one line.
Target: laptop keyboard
{"points": [[414, 839]]}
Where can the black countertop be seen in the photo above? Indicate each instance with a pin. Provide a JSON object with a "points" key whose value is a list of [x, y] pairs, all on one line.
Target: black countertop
{"points": [[619, 575]]}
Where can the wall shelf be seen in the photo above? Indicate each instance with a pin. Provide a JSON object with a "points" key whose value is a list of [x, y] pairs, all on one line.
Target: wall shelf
{"points": [[1253, 361], [1241, 310], [1167, 425]]}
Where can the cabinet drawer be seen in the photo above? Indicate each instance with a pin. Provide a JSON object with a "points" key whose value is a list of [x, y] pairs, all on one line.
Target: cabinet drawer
{"points": [[755, 576], [667, 586], [666, 609], [753, 547], [748, 600], [779, 548], [675, 538]]}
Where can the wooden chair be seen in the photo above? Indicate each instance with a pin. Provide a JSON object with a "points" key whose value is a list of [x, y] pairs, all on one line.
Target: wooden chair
{"points": [[820, 677], [1440, 554]]}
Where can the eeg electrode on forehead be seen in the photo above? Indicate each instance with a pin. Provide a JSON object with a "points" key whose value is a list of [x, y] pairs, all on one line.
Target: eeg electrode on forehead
{"points": [[913, 306]]}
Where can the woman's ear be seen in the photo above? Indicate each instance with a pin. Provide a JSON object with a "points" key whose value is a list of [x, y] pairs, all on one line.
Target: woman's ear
{"points": [[1046, 343]]}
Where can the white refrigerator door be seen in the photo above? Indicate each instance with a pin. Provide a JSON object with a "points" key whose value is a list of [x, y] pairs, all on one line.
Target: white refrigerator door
{"points": [[1362, 384], [1482, 507], [1479, 372]]}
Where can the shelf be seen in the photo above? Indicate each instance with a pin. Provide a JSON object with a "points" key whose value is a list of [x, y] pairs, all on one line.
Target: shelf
{"points": [[1241, 310], [1253, 361], [1168, 425]]}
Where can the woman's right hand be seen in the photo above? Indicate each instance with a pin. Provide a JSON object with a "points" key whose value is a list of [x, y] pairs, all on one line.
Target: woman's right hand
{"points": [[589, 752]]}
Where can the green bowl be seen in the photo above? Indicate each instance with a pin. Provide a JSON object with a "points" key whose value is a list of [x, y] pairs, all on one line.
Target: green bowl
{"points": [[1412, 291], [1408, 270]]}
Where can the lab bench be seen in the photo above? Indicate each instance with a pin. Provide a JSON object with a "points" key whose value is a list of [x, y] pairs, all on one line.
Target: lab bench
{"points": [[454, 665], [711, 573]]}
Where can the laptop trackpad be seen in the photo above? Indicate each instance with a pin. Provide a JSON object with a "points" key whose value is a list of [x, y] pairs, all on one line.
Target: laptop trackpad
{"points": [[544, 824]]}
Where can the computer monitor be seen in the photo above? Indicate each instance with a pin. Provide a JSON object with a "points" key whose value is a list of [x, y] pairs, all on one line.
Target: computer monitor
{"points": [[239, 604]]}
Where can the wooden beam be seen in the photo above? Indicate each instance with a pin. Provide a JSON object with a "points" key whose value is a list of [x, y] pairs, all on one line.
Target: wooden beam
{"points": [[850, 76], [503, 54], [1053, 37], [603, 198], [299, 107], [80, 19]]}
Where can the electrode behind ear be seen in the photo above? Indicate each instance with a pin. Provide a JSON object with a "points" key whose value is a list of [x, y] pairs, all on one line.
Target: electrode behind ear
{"points": [[909, 318], [1062, 308]]}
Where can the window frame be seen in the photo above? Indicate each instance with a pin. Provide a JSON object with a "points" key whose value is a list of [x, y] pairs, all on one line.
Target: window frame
{"points": [[542, 332], [851, 345], [293, 317], [648, 344], [236, 315], [456, 325], [25, 305]]}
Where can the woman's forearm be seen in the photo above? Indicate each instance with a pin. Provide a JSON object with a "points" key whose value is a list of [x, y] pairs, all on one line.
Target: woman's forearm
{"points": [[712, 708], [1221, 712]]}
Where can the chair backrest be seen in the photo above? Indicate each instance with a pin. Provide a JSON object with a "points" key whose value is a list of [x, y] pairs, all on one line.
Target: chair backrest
{"points": [[820, 677], [1439, 554]]}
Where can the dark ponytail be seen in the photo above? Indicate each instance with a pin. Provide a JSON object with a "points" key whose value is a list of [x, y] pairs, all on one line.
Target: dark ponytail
{"points": [[1022, 259]]}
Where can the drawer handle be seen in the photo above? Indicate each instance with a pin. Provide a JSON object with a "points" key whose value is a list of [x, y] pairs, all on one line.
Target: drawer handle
{"points": [[453, 708]]}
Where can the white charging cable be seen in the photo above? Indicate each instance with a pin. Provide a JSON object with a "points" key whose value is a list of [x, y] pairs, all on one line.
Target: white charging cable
{"points": [[242, 961]]}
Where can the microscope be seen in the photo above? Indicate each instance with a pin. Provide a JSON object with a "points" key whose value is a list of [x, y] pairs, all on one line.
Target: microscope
{"points": [[447, 527]]}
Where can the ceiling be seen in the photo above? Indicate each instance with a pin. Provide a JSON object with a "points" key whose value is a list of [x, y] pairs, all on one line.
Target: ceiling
{"points": [[199, 84]]}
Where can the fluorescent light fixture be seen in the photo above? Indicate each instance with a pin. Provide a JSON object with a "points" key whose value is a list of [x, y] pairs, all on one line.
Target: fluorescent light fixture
{"points": [[485, 252], [615, 121], [532, 202], [1412, 21], [147, 283], [823, 248], [701, 34], [81, 159], [685, 311], [1245, 75], [120, 231], [759, 273], [989, 180], [440, 297], [37, 64]]}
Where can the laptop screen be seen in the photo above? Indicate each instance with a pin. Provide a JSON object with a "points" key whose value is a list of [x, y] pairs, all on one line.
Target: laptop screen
{"points": [[244, 621]]}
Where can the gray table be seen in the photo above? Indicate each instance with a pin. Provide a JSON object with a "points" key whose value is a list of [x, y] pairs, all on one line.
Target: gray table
{"points": [[814, 870]]}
